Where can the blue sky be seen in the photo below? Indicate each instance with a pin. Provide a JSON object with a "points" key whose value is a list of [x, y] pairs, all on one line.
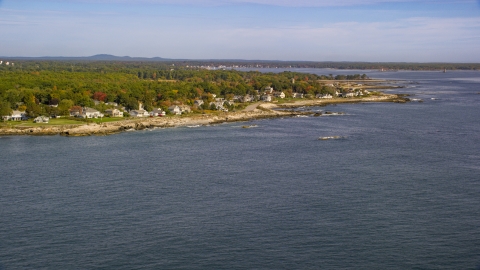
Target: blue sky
{"points": [[311, 30]]}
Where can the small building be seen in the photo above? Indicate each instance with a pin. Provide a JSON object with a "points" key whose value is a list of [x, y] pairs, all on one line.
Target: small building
{"points": [[76, 111], [91, 113], [139, 113], [198, 102], [266, 98], [219, 106], [279, 94], [185, 108], [16, 116], [269, 90], [324, 96], [114, 113], [297, 95], [175, 109], [157, 112], [41, 119]]}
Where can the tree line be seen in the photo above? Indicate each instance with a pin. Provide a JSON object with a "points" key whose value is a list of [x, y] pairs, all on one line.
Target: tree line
{"points": [[53, 87]]}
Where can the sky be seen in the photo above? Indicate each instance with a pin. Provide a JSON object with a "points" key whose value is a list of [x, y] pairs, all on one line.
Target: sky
{"points": [[290, 30]]}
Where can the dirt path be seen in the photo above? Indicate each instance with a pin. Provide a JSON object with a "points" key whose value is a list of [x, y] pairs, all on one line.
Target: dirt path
{"points": [[252, 107]]}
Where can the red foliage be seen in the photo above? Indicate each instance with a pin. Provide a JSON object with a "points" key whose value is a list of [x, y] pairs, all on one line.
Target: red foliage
{"points": [[100, 96]]}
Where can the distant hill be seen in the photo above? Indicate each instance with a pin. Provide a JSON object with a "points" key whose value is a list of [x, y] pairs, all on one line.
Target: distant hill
{"points": [[98, 57]]}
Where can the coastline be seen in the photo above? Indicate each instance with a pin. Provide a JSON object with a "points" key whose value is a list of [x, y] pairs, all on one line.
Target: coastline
{"points": [[260, 111]]}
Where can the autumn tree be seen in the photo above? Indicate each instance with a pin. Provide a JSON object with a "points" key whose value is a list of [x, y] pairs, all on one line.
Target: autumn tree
{"points": [[100, 96]]}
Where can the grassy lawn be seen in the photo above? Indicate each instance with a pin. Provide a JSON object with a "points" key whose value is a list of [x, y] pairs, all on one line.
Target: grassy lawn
{"points": [[56, 122], [52, 122], [106, 119]]}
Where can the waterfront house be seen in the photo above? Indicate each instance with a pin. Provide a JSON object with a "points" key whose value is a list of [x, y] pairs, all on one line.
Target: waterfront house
{"points": [[324, 96], [266, 98], [19, 116], [279, 94], [198, 102], [157, 112], [76, 111], [90, 113], [114, 113], [185, 108], [15, 116], [175, 109], [297, 95], [139, 113], [41, 119], [219, 106], [268, 90], [247, 98]]}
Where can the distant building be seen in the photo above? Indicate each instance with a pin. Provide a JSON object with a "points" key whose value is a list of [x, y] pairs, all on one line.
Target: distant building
{"points": [[114, 113], [41, 119], [198, 102], [139, 113], [266, 98], [157, 112], [297, 95], [175, 109], [279, 94], [91, 113]]}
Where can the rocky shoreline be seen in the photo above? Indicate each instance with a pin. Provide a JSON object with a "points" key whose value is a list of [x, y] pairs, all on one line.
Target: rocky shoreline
{"points": [[263, 110]]}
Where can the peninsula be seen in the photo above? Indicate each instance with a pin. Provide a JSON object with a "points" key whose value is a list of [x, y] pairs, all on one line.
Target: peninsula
{"points": [[100, 98]]}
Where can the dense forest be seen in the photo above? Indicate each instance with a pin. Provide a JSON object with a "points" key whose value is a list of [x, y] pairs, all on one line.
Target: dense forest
{"points": [[53, 87]]}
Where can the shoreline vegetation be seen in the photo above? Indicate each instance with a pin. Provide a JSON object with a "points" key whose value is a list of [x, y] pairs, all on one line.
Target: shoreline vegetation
{"points": [[258, 110]]}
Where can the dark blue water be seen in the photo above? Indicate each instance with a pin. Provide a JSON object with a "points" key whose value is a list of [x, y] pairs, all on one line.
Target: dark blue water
{"points": [[399, 190]]}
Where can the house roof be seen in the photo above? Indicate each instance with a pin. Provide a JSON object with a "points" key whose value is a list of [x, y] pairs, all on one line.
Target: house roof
{"points": [[90, 110]]}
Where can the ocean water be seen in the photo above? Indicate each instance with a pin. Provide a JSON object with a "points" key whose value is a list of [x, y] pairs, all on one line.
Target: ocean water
{"points": [[399, 190]]}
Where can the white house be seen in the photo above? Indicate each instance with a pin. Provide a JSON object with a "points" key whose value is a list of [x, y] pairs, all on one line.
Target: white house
{"points": [[185, 108], [219, 106], [139, 113], [175, 109], [324, 96], [114, 113], [18, 116], [268, 90], [91, 113], [198, 102], [279, 94], [157, 112], [297, 95], [266, 98], [41, 119], [76, 111]]}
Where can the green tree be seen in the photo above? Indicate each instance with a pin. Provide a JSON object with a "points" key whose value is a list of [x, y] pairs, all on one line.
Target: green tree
{"points": [[5, 108], [64, 106]]}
